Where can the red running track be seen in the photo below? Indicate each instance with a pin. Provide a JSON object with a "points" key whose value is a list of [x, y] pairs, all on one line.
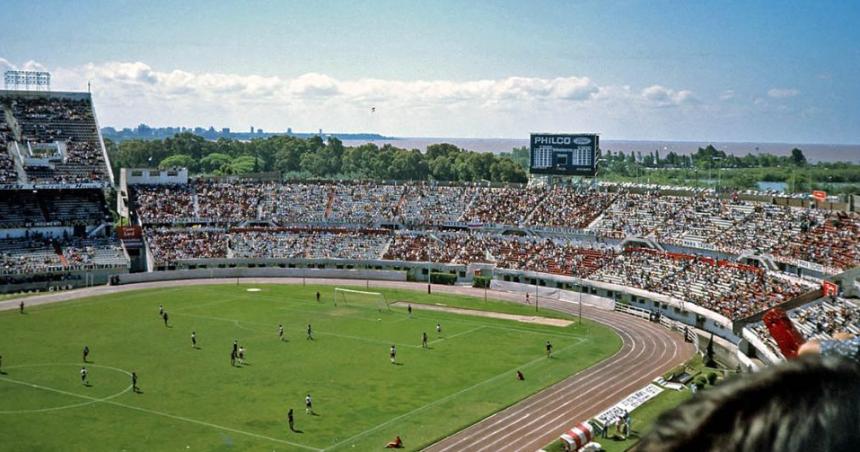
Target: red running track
{"points": [[647, 352]]}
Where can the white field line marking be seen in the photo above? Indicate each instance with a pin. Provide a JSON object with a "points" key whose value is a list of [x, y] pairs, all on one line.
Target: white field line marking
{"points": [[168, 415], [88, 301], [455, 335], [459, 318], [315, 333], [327, 314], [45, 410], [445, 399]]}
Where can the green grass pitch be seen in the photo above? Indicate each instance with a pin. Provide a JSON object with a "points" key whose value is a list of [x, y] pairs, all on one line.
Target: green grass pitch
{"points": [[192, 399]]}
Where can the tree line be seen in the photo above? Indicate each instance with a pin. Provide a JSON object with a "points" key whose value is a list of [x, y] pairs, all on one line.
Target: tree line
{"points": [[314, 157]]}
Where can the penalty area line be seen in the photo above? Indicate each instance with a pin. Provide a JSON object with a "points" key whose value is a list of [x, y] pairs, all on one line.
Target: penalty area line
{"points": [[167, 415]]}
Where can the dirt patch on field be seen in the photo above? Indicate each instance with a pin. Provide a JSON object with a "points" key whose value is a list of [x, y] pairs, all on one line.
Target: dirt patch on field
{"points": [[537, 320]]}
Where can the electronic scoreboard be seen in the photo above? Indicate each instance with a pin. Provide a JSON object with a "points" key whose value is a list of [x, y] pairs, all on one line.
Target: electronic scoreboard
{"points": [[564, 154]]}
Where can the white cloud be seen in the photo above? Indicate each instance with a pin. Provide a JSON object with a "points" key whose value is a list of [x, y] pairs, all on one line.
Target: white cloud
{"points": [[5, 65], [659, 96], [782, 93], [727, 94], [128, 93]]}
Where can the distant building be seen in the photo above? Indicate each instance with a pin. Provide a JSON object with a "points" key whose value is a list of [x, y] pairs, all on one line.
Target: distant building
{"points": [[289, 130], [225, 130], [252, 130], [259, 131]]}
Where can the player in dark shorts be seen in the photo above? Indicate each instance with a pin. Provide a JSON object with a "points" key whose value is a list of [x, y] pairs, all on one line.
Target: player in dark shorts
{"points": [[86, 352], [281, 332], [310, 333], [424, 340], [84, 378], [193, 339], [318, 296], [290, 420], [309, 406], [438, 328], [409, 310], [134, 387], [164, 316], [233, 358], [548, 349], [392, 353], [161, 310], [21, 307], [235, 345]]}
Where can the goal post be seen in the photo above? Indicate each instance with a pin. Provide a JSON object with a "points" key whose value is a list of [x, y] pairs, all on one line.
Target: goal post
{"points": [[346, 296]]}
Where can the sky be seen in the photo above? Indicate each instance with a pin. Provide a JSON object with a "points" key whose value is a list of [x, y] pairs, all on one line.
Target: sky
{"points": [[779, 71]]}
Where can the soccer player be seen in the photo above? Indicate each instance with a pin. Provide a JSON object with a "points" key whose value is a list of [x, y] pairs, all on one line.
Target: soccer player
{"points": [[193, 339], [241, 355], [392, 353], [438, 328], [134, 387], [86, 352], [84, 379], [310, 333], [318, 296], [164, 316], [424, 339], [520, 376], [281, 332], [548, 349], [527, 299], [409, 310], [161, 310], [233, 358], [290, 420], [309, 409], [235, 345], [21, 307]]}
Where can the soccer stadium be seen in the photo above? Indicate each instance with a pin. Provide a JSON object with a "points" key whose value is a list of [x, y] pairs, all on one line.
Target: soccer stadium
{"points": [[363, 314]]}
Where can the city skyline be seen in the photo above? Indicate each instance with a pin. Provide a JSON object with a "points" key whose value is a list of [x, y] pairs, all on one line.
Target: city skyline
{"points": [[769, 72]]}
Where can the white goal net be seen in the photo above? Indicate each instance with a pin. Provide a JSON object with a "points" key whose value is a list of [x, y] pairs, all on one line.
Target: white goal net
{"points": [[354, 297]]}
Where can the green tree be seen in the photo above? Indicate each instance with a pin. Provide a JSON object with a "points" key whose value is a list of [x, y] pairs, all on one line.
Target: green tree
{"points": [[241, 165], [797, 157], [215, 162], [179, 161]]}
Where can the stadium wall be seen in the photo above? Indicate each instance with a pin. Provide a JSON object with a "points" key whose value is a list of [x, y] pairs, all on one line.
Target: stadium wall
{"points": [[72, 280], [357, 274]]}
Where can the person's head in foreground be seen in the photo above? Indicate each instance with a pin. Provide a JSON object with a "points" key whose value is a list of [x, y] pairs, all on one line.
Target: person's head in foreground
{"points": [[808, 404]]}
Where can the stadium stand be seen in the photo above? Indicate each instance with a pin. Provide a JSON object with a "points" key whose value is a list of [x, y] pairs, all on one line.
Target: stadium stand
{"points": [[55, 136], [820, 319], [169, 245], [733, 290], [54, 221]]}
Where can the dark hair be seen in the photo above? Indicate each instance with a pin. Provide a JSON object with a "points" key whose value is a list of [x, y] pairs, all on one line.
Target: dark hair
{"points": [[806, 404]]}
